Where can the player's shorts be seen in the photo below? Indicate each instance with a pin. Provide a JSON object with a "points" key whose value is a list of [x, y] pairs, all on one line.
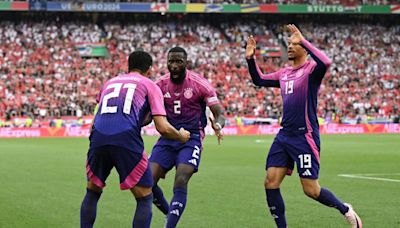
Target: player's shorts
{"points": [[132, 167], [300, 149], [168, 153]]}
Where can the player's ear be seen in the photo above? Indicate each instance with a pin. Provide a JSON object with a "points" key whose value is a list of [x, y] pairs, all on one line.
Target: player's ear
{"points": [[148, 73], [305, 51]]}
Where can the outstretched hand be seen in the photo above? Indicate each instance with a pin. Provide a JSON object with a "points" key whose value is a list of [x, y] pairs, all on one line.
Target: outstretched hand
{"points": [[217, 130], [296, 34], [250, 47]]}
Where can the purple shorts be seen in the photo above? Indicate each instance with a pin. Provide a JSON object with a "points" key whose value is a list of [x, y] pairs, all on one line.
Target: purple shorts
{"points": [[168, 153], [132, 167], [300, 149]]}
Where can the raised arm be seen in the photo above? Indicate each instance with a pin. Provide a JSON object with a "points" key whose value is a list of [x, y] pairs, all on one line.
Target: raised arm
{"points": [[259, 79], [323, 61]]}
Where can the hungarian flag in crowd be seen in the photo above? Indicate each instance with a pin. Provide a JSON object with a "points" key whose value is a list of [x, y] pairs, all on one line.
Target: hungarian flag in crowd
{"points": [[271, 51], [92, 49]]}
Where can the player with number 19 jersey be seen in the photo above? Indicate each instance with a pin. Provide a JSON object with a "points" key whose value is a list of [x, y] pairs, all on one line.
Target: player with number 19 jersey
{"points": [[299, 89]]}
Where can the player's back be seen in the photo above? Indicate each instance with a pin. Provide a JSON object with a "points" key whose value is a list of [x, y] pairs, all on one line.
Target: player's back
{"points": [[123, 105]]}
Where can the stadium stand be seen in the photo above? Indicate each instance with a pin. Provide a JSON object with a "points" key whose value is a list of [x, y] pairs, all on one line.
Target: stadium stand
{"points": [[44, 76]]}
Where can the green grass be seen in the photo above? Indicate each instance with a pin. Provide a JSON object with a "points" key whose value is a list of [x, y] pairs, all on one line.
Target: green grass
{"points": [[42, 183]]}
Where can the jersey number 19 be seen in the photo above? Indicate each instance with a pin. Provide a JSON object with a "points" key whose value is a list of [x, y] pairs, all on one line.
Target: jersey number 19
{"points": [[289, 87]]}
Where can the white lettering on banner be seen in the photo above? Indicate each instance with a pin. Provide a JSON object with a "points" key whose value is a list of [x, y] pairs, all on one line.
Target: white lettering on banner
{"points": [[101, 6], [69, 131], [230, 131], [18, 133], [268, 129], [392, 128], [337, 129], [66, 6], [325, 8], [77, 132]]}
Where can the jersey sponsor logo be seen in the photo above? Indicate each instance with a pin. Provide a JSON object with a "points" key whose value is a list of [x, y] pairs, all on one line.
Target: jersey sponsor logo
{"points": [[212, 99], [188, 93], [167, 95], [306, 173]]}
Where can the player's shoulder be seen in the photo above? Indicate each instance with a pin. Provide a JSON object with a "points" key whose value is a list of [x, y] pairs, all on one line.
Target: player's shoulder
{"points": [[311, 63], [308, 66], [138, 79], [163, 79], [285, 69], [198, 79]]}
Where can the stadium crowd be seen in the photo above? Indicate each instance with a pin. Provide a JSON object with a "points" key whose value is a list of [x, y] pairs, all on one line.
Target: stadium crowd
{"points": [[42, 75]]}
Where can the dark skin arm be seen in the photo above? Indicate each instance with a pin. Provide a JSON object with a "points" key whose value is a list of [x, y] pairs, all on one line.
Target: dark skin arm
{"points": [[218, 122], [147, 120], [168, 131]]}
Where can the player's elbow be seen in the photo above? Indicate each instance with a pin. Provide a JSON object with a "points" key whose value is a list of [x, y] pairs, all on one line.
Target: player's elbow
{"points": [[328, 63], [257, 82]]}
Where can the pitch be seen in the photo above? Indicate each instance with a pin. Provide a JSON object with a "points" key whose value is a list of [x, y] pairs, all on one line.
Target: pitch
{"points": [[43, 182]]}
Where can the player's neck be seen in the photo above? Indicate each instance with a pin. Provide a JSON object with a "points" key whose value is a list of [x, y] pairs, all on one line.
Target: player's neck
{"points": [[299, 61], [137, 71]]}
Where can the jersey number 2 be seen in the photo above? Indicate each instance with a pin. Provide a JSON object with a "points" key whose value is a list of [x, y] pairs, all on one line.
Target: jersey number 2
{"points": [[177, 107], [115, 93]]}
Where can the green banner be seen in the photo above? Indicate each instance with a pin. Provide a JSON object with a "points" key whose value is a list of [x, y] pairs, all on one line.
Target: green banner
{"points": [[375, 9], [92, 50], [5, 5], [347, 9], [177, 8], [231, 8], [292, 8]]}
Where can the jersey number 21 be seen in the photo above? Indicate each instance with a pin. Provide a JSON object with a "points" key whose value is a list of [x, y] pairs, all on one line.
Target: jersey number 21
{"points": [[115, 93]]}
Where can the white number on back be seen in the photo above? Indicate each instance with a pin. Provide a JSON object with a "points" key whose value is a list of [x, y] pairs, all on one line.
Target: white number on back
{"points": [[115, 93]]}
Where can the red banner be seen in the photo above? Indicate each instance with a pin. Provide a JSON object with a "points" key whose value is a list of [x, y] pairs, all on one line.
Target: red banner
{"points": [[228, 130]]}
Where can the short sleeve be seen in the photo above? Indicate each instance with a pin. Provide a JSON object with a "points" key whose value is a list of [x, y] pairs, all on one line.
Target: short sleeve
{"points": [[156, 99], [210, 96], [98, 96]]}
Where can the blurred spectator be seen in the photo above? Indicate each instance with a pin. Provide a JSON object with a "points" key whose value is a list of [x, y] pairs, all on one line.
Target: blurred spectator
{"points": [[43, 76]]}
